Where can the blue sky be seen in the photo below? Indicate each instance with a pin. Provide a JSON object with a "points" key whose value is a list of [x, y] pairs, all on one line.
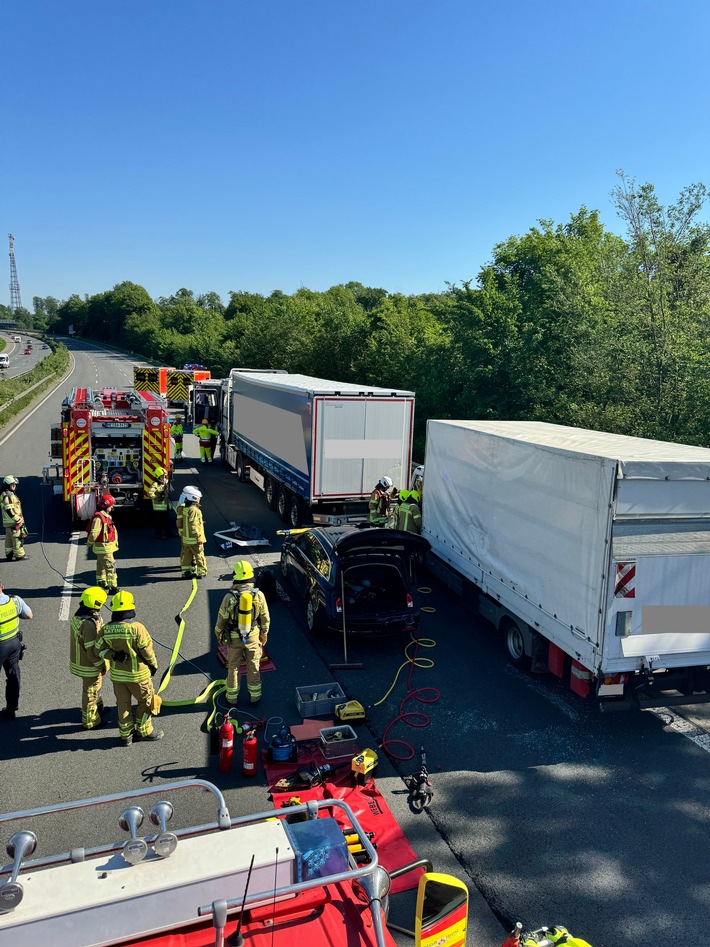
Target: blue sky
{"points": [[241, 145]]}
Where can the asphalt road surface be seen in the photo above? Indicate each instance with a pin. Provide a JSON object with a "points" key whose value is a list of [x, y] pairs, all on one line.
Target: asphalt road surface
{"points": [[19, 362], [551, 812]]}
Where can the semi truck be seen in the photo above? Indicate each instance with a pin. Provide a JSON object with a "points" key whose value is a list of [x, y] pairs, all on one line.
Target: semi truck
{"points": [[107, 441], [315, 447], [589, 551]]}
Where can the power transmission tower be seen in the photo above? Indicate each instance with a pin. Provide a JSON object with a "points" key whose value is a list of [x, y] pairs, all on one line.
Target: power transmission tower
{"points": [[15, 301]]}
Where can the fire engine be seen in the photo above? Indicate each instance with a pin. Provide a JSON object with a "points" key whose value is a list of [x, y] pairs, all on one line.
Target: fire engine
{"points": [[174, 384], [108, 441]]}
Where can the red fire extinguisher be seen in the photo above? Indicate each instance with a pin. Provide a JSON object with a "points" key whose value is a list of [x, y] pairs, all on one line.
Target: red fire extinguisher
{"points": [[226, 745], [249, 746]]}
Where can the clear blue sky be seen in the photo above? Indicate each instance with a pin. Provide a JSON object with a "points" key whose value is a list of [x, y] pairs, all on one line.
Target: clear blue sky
{"points": [[268, 144]]}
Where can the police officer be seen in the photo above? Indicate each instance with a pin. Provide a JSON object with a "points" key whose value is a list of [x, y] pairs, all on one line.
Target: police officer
{"points": [[13, 520], [12, 609], [103, 539], [206, 433], [379, 503], [159, 494], [408, 516], [128, 647], [243, 625], [191, 530], [84, 662]]}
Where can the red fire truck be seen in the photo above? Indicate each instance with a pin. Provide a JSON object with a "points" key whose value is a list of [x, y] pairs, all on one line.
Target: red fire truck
{"points": [[108, 441]]}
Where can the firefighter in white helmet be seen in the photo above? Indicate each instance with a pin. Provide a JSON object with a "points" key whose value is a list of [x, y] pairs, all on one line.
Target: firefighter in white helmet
{"points": [[84, 662], [191, 530], [379, 504], [243, 625], [103, 540], [13, 521], [126, 644]]}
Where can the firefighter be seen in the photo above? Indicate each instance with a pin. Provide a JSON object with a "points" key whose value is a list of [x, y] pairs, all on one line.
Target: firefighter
{"points": [[177, 435], [128, 647], [380, 501], [159, 494], [408, 516], [103, 539], [205, 434], [12, 609], [13, 521], [84, 662], [243, 625], [191, 531]]}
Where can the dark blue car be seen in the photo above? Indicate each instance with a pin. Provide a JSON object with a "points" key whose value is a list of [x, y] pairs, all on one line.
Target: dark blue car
{"points": [[364, 578]]}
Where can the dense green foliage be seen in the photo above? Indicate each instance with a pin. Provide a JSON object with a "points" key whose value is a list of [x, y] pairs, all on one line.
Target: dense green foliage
{"points": [[568, 323]]}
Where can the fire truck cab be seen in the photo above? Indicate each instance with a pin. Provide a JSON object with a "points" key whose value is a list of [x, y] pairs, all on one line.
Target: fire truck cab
{"points": [[108, 441]]}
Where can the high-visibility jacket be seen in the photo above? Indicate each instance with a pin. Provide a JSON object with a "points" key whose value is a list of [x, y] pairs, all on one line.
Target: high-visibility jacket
{"points": [[9, 619], [379, 505], [103, 535], [84, 632], [190, 524], [158, 494], [176, 431], [205, 434], [408, 518], [228, 615], [133, 639], [11, 509]]}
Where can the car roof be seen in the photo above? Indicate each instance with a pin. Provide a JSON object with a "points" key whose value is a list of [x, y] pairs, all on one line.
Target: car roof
{"points": [[351, 539]]}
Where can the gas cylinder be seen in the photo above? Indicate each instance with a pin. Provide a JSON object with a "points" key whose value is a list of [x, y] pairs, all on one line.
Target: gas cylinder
{"points": [[250, 748], [226, 745]]}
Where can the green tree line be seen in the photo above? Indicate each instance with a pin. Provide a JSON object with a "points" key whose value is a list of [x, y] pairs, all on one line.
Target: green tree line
{"points": [[569, 323]]}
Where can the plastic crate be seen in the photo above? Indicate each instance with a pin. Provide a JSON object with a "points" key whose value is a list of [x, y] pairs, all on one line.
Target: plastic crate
{"points": [[318, 700], [334, 747]]}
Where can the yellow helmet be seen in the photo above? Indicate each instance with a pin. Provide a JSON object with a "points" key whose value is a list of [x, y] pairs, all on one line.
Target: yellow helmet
{"points": [[404, 495], [243, 571], [122, 602], [416, 496], [159, 472], [93, 597]]}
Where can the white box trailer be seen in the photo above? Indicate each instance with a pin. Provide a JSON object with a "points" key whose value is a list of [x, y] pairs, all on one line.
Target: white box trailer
{"points": [[317, 447], [589, 551]]}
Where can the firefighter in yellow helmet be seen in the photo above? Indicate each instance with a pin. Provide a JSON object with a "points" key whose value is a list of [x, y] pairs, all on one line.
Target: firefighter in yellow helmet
{"points": [[243, 625], [408, 516], [126, 644], [84, 662], [159, 494], [103, 540], [191, 530], [205, 432], [13, 521], [176, 432]]}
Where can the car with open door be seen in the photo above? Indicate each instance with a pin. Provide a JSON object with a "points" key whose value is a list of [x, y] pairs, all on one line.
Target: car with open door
{"points": [[362, 578]]}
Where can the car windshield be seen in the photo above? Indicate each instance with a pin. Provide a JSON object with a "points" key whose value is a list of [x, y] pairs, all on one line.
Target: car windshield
{"points": [[371, 587]]}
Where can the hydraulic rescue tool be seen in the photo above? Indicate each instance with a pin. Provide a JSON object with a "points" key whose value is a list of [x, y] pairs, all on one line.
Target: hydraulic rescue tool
{"points": [[419, 786], [306, 777]]}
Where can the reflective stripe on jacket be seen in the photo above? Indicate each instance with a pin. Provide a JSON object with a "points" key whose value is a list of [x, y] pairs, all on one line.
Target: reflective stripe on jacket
{"points": [[228, 611], [409, 518], [158, 494], [133, 639], [83, 635], [9, 619], [103, 535], [11, 509], [190, 525]]}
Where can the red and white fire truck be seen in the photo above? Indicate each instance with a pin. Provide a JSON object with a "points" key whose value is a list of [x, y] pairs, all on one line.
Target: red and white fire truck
{"points": [[108, 441]]}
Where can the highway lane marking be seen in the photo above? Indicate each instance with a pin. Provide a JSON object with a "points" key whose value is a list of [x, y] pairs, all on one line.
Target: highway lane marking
{"points": [[691, 731], [37, 407], [68, 590]]}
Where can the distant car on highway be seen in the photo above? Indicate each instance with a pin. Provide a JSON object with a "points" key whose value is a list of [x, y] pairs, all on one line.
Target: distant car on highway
{"points": [[28, 350], [45, 346], [17, 338]]}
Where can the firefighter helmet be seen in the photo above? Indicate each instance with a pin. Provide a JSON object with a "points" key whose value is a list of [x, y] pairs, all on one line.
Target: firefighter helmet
{"points": [[191, 493], [415, 495], [122, 602], [386, 483], [93, 597], [106, 501], [404, 495], [8, 481], [243, 571], [159, 472]]}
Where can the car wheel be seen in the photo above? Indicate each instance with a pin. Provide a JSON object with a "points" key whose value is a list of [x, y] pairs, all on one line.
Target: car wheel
{"points": [[270, 492], [240, 467], [515, 645], [314, 616], [294, 512], [285, 574], [282, 503]]}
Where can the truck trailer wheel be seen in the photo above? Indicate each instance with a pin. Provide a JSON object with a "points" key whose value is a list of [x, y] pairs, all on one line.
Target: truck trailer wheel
{"points": [[294, 512], [270, 490], [515, 645], [241, 468], [283, 502]]}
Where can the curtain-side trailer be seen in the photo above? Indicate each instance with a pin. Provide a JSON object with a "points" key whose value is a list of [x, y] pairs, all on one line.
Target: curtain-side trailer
{"points": [[589, 551]]}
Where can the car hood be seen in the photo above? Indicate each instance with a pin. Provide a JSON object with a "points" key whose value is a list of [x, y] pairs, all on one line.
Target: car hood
{"points": [[372, 540]]}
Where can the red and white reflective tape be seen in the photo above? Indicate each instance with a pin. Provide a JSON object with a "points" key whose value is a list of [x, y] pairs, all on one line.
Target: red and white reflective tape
{"points": [[625, 585]]}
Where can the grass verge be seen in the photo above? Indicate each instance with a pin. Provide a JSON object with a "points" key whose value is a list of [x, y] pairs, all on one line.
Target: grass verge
{"points": [[41, 376]]}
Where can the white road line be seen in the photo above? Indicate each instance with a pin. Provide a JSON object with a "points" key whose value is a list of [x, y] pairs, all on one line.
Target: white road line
{"points": [[68, 590], [19, 424], [678, 724]]}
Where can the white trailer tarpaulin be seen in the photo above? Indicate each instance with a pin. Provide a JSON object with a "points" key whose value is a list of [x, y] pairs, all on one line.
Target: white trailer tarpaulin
{"points": [[528, 517]]}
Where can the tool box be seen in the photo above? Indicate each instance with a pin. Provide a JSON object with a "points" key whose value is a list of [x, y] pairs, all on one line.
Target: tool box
{"points": [[318, 700], [337, 742]]}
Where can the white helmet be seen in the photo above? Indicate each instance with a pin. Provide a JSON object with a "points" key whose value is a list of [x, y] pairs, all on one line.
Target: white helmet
{"points": [[8, 481], [191, 493], [386, 482]]}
